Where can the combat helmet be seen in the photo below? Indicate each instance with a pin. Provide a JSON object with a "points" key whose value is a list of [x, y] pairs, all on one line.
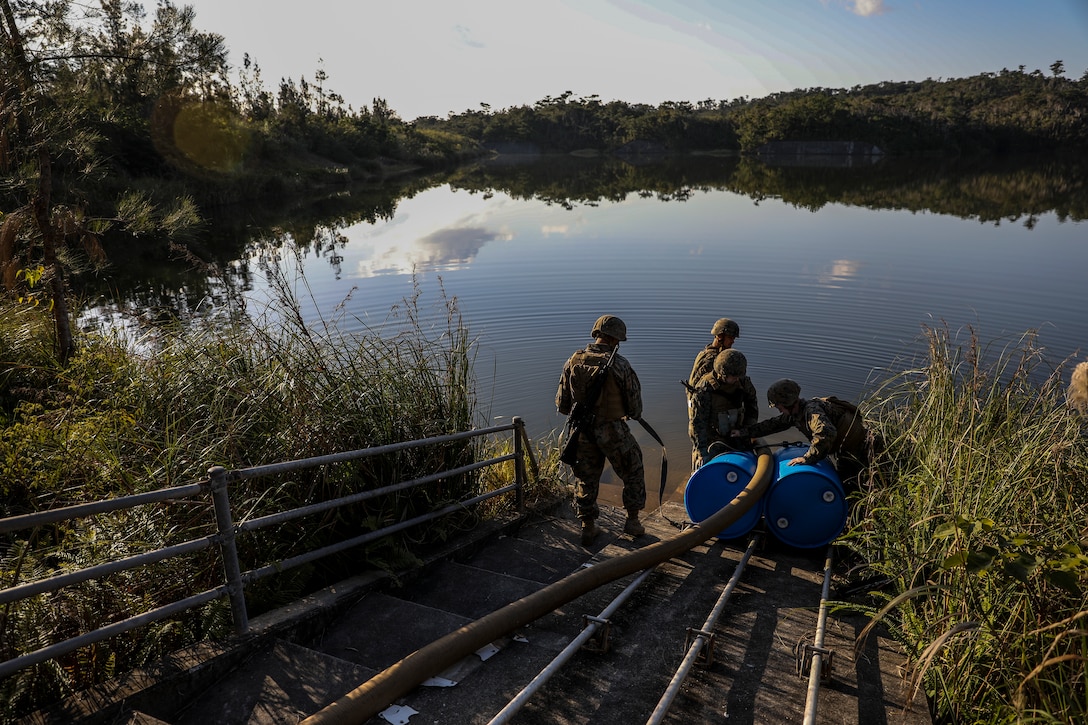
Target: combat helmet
{"points": [[725, 326], [730, 362], [610, 325], [783, 392]]}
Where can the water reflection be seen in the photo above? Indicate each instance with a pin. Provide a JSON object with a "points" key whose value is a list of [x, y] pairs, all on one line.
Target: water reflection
{"points": [[839, 272], [831, 273], [442, 250]]}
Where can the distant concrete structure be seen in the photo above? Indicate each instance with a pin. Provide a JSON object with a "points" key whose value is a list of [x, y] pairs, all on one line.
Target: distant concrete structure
{"points": [[513, 148], [819, 153], [641, 147]]}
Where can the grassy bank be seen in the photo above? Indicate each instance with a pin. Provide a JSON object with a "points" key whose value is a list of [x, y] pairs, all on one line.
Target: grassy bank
{"points": [[977, 516], [157, 408]]}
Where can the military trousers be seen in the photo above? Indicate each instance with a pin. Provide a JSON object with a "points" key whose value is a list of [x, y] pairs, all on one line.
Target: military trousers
{"points": [[611, 441]]}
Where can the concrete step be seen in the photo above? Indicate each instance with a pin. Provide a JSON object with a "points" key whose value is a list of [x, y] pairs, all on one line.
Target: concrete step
{"points": [[539, 553], [139, 718], [280, 685]]}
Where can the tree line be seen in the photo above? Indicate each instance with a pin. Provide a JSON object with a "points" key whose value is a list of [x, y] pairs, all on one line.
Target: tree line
{"points": [[1010, 111]]}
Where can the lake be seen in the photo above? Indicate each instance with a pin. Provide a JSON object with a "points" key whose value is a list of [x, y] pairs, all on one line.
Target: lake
{"points": [[831, 273]]}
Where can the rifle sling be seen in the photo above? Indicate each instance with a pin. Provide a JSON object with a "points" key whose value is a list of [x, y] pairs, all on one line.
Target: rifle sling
{"points": [[664, 458]]}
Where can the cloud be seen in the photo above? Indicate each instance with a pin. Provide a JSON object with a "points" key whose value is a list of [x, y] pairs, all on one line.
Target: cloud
{"points": [[466, 37], [866, 8]]}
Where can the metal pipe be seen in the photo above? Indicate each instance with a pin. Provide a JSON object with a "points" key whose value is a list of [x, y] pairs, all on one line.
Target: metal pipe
{"points": [[296, 513], [696, 647], [569, 651], [818, 647], [26, 521], [289, 466], [280, 566], [519, 463], [56, 650], [519, 424], [228, 549], [375, 694], [54, 583]]}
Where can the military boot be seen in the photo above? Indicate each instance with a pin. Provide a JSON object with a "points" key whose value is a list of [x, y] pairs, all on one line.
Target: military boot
{"points": [[589, 532], [633, 527]]}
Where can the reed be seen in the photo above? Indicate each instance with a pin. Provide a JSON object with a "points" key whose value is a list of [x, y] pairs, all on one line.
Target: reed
{"points": [[240, 386], [976, 513]]}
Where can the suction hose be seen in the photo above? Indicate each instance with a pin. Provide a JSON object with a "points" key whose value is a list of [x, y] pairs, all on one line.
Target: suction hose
{"points": [[377, 693]]}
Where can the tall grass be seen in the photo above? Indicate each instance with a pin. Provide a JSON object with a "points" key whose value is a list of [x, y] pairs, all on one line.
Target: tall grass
{"points": [[977, 515], [238, 388]]}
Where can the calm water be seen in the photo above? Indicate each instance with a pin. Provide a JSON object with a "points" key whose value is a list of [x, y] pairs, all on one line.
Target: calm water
{"points": [[832, 297]]}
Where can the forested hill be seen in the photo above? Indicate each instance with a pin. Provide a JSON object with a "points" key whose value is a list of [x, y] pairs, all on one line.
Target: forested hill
{"points": [[118, 106], [116, 123], [1004, 112]]}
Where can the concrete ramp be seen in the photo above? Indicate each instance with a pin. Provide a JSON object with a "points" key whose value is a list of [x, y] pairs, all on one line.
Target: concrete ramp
{"points": [[750, 675]]}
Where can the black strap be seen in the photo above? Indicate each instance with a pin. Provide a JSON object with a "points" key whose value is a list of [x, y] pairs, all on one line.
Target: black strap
{"points": [[664, 458]]}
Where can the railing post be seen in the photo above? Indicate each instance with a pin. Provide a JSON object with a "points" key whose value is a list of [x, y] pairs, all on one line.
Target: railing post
{"points": [[519, 461], [228, 549]]}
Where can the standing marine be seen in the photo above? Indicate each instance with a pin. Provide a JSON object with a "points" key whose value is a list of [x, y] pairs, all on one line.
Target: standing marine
{"points": [[1077, 394], [725, 333], [723, 400], [608, 436]]}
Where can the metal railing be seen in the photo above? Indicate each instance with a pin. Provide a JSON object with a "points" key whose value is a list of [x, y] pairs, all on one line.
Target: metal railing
{"points": [[227, 532]]}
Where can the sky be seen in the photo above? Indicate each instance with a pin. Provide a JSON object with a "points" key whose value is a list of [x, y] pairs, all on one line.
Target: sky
{"points": [[436, 57]]}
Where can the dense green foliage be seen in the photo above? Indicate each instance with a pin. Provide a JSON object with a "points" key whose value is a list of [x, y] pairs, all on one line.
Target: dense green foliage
{"points": [[1005, 112], [976, 518], [152, 106]]}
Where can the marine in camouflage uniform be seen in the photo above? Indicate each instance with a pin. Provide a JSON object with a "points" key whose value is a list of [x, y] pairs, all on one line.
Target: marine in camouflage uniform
{"points": [[609, 437], [724, 399], [1077, 395], [725, 332], [832, 426]]}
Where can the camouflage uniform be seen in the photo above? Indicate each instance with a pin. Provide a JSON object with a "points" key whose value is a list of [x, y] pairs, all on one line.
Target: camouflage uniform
{"points": [[716, 408], [832, 426], [1077, 395], [609, 437], [704, 363]]}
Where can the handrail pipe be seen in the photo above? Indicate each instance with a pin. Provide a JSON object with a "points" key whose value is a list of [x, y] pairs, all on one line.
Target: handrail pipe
{"points": [[816, 672], [228, 531]]}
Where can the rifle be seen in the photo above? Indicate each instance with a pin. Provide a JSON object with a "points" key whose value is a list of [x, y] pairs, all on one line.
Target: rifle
{"points": [[583, 414]]}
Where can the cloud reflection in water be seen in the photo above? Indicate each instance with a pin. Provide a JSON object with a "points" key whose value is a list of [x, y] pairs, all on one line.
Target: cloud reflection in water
{"points": [[839, 272], [444, 250]]}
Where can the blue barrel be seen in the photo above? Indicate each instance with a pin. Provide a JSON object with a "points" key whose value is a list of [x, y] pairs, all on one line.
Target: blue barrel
{"points": [[805, 505], [718, 482]]}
